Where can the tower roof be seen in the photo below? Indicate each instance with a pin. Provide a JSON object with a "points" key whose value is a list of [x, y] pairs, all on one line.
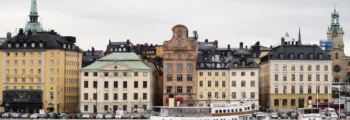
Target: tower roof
{"points": [[33, 23]]}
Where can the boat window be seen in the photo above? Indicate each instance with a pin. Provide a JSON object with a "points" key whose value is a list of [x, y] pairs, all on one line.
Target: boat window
{"points": [[236, 110], [220, 111], [224, 111], [240, 109], [216, 111], [248, 108], [232, 110]]}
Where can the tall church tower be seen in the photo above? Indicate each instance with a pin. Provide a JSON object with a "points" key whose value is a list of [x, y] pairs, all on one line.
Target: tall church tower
{"points": [[335, 32], [33, 23]]}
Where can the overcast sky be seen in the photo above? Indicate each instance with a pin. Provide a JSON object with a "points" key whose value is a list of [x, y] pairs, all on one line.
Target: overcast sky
{"points": [[93, 22]]}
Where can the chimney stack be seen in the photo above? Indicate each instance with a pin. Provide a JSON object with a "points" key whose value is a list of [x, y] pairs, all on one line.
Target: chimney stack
{"points": [[8, 35], [206, 40], [228, 47], [271, 46], [92, 51], [216, 43], [241, 45], [246, 47], [282, 41]]}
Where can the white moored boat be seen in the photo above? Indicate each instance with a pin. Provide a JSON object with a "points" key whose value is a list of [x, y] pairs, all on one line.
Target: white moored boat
{"points": [[216, 111], [309, 114]]}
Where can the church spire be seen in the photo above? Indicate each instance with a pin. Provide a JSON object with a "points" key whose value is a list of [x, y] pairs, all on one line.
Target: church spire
{"points": [[299, 37], [33, 23]]}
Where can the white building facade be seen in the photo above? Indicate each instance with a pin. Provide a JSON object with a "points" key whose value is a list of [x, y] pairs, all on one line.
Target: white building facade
{"points": [[119, 81]]}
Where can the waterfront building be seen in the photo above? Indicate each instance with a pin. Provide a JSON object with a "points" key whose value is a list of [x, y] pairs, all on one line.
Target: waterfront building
{"points": [[40, 70], [259, 51], [118, 81], [294, 73], [179, 65]]}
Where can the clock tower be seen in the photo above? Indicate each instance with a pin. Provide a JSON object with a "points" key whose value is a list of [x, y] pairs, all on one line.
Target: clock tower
{"points": [[335, 33]]}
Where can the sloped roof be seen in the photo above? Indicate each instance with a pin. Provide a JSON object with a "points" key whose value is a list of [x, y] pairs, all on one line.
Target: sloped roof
{"points": [[120, 56]]}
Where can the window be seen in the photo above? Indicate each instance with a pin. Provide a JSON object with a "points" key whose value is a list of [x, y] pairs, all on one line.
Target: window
{"points": [[252, 83], [252, 95], [233, 83], [223, 95], [301, 67], [106, 107], [125, 74], [200, 73], [15, 80], [317, 89], [136, 84], [284, 101], [209, 73], [317, 67], [242, 83], [23, 79], [317, 77], [125, 107], [293, 67], [125, 96], [169, 77], [233, 73], [309, 67], [179, 89], [216, 94], [15, 62], [86, 108], [95, 74], [223, 73], [115, 84], [284, 89], [301, 77], [51, 62], [51, 54], [170, 67], [284, 77], [209, 94], [52, 80], [39, 62], [209, 83], [144, 74], [169, 56], [51, 94], [325, 77], [144, 96], [39, 71], [136, 96], [276, 77], [325, 89], [309, 89], [284, 67], [168, 89], [31, 71], [179, 67], [86, 96], [106, 84], [179, 55], [125, 84], [136, 74], [189, 77], [189, 56], [86, 84], [325, 67], [105, 74], [144, 84], [293, 89], [233, 95], [293, 77], [301, 89], [189, 89], [200, 83], [7, 62], [216, 73], [276, 102], [179, 77], [115, 96], [252, 73], [276, 67], [243, 95], [115, 74], [242, 73], [216, 83], [86, 73], [23, 62], [309, 77], [223, 84]]}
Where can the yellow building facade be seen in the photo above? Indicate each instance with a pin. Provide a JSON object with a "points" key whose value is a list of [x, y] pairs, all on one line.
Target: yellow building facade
{"points": [[40, 74]]}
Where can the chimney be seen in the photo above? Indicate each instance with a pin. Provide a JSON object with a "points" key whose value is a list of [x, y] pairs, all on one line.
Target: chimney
{"points": [[216, 43], [292, 42], [228, 47], [257, 43], [206, 40], [271, 46], [241, 45], [92, 50], [288, 42], [127, 41], [171, 100], [29, 32], [246, 47], [282, 41], [296, 43], [151, 45], [21, 32], [8, 35]]}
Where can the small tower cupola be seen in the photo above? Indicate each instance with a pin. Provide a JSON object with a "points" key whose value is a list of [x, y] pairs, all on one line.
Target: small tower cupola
{"points": [[33, 23]]}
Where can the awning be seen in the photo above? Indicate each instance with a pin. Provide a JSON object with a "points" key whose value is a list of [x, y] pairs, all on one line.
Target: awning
{"points": [[180, 99]]}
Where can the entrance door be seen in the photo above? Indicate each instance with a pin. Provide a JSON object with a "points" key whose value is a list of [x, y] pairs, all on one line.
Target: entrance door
{"points": [[301, 103]]}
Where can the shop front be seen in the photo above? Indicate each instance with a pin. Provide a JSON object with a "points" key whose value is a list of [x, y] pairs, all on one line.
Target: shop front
{"points": [[23, 101]]}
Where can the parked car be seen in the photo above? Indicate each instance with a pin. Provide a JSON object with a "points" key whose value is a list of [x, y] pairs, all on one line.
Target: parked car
{"points": [[42, 115], [118, 116], [274, 115], [293, 115], [284, 115], [99, 116], [323, 115], [86, 116], [126, 116], [15, 115], [34, 116], [145, 116], [108, 116], [6, 115], [137, 116], [341, 114], [73, 116], [25, 116]]}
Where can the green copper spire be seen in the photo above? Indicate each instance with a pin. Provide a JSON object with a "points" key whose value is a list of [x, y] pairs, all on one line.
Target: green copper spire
{"points": [[335, 26], [33, 23]]}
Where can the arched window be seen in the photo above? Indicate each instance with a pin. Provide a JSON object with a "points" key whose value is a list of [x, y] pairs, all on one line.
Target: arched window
{"points": [[291, 56], [311, 56], [320, 56], [301, 56], [179, 43], [336, 56], [281, 56]]}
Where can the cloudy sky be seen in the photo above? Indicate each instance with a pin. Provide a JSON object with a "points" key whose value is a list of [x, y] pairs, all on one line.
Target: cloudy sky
{"points": [[93, 22]]}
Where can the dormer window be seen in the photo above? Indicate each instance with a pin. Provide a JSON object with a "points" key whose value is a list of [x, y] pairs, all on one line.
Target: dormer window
{"points": [[205, 58], [9, 45], [124, 49], [291, 56], [213, 65], [41, 45], [111, 49], [311, 56], [301, 56], [235, 64], [17, 45], [243, 63], [281, 56], [64, 46], [120, 49], [73, 46], [33, 44], [24, 44], [320, 56], [254, 54], [68, 46], [202, 65]]}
